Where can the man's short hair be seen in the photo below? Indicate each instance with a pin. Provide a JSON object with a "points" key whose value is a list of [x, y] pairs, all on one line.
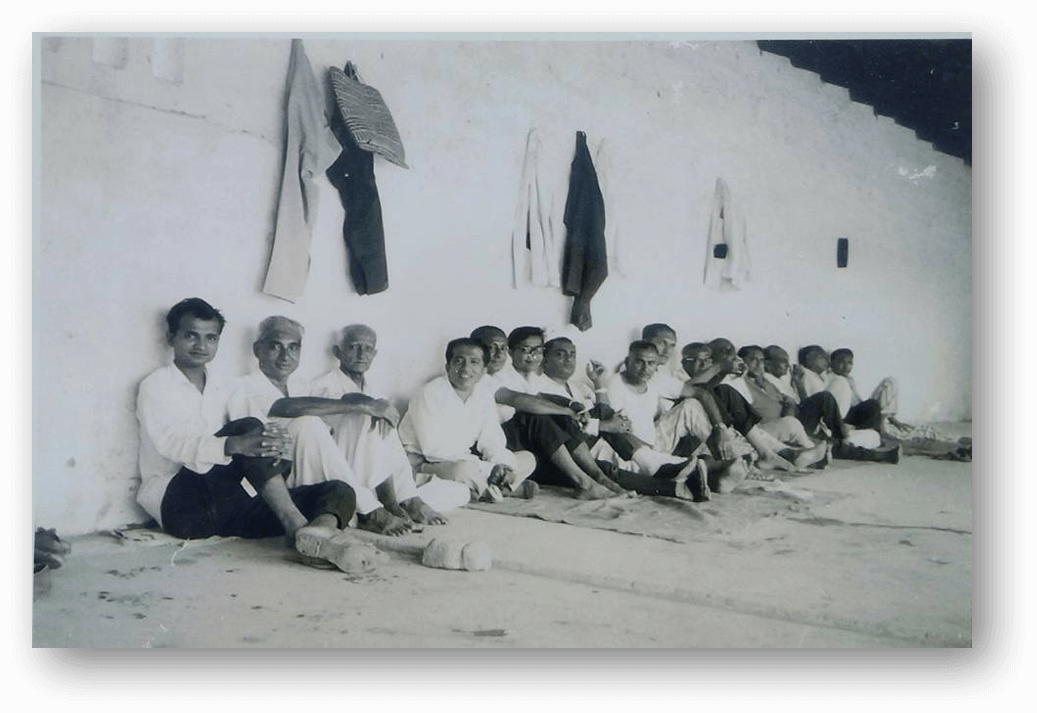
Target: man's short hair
{"points": [[467, 342], [275, 323], [655, 329], [748, 348], [772, 351], [642, 345], [840, 352], [804, 353], [350, 330], [552, 343], [721, 347], [194, 307], [486, 331], [520, 333], [692, 347]]}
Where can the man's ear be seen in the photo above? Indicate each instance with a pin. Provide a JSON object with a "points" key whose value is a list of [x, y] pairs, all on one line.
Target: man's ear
{"points": [[255, 349], [336, 351], [169, 337]]}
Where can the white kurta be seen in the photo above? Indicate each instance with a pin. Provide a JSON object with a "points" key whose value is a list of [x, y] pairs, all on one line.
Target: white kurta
{"points": [[177, 423]]}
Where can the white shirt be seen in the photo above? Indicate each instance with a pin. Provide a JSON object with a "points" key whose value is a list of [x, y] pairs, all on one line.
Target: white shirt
{"points": [[253, 395], [784, 385], [738, 384], [842, 389], [336, 384], [439, 426], [814, 383], [509, 378], [576, 391], [641, 409], [177, 423], [667, 383]]}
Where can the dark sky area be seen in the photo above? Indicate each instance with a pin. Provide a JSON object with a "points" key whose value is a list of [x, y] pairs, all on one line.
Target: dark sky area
{"points": [[925, 85]]}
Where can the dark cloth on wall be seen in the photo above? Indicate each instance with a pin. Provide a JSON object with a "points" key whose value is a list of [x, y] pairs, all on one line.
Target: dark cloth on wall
{"points": [[585, 259], [352, 175], [215, 503]]}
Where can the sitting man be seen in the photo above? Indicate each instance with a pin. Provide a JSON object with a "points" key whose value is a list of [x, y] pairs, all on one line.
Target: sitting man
{"points": [[811, 378], [526, 418], [777, 411], [201, 476], [364, 428], [608, 432], [275, 394], [680, 429], [451, 430], [735, 410], [875, 412]]}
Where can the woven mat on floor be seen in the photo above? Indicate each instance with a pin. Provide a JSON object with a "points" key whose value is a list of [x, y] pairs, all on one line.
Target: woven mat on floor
{"points": [[665, 518]]}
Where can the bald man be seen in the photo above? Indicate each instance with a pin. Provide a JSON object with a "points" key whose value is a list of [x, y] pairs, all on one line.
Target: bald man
{"points": [[363, 424]]}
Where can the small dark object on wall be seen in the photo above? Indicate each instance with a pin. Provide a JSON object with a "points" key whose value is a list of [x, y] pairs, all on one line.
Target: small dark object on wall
{"points": [[720, 251], [842, 252]]}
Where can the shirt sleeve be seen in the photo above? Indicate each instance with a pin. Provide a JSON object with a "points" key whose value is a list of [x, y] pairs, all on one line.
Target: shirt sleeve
{"points": [[435, 437], [492, 442], [842, 391], [178, 439]]}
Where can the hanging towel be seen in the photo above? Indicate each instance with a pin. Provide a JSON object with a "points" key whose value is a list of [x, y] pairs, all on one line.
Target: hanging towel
{"points": [[606, 180], [585, 262], [310, 148], [727, 229], [534, 246]]}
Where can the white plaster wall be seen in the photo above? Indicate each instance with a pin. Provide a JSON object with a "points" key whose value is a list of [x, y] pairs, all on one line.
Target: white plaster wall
{"points": [[158, 178]]}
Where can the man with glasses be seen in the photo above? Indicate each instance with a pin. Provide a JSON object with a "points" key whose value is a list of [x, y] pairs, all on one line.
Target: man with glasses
{"points": [[533, 423]]}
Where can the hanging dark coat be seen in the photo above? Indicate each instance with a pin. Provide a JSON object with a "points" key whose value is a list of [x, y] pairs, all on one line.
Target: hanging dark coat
{"points": [[352, 175], [585, 259]]}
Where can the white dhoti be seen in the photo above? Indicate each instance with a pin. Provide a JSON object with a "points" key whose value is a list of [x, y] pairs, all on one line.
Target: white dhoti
{"points": [[473, 474]]}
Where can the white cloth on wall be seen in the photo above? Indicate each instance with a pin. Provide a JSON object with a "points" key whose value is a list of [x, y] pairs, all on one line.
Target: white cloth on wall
{"points": [[726, 227], [535, 247], [607, 184]]}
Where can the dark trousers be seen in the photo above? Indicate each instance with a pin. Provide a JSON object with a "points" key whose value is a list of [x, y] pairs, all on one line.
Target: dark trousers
{"points": [[198, 505], [541, 435], [866, 414], [821, 408], [734, 409], [352, 175]]}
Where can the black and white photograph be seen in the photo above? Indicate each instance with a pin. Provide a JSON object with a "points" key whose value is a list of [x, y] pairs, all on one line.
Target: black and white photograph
{"points": [[507, 341]]}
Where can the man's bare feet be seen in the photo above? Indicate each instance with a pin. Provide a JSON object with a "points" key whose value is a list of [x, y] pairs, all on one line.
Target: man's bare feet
{"points": [[593, 491], [421, 513], [773, 461], [526, 490], [732, 476], [810, 456], [384, 523]]}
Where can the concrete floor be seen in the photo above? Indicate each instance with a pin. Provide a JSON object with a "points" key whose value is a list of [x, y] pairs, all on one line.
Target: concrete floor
{"points": [[887, 564]]}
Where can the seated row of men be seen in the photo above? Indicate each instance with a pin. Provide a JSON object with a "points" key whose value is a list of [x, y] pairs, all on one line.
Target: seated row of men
{"points": [[273, 454]]}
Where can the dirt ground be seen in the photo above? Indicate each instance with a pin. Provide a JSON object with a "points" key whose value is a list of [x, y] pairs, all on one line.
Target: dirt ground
{"points": [[882, 557]]}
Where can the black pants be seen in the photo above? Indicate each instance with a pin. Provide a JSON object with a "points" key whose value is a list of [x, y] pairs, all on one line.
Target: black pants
{"points": [[352, 175], [821, 407], [734, 409], [199, 505], [866, 414], [541, 435]]}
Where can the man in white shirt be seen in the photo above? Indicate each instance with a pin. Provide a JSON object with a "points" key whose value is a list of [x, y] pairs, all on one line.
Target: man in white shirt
{"points": [[451, 430], [201, 476], [364, 428], [540, 426], [862, 413], [633, 464], [274, 393]]}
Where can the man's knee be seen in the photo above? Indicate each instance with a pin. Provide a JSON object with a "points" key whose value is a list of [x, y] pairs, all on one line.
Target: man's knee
{"points": [[525, 463], [240, 427]]}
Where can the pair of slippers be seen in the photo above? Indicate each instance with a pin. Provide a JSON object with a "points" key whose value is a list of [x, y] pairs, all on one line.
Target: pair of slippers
{"points": [[327, 548]]}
